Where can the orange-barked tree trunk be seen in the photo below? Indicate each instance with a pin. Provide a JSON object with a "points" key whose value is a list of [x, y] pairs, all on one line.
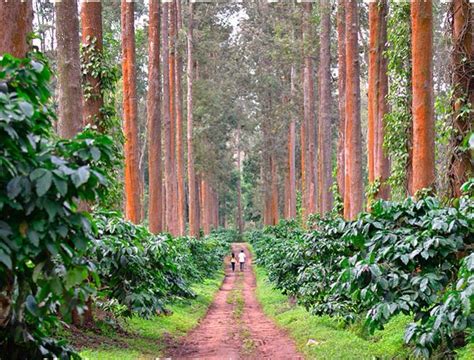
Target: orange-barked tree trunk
{"points": [[193, 202], [382, 162], [309, 190], [155, 200], [168, 106], [292, 152], [130, 120], [463, 84], [91, 24], [378, 163], [69, 69], [353, 188], [325, 106], [423, 164], [341, 86], [17, 23], [181, 196]]}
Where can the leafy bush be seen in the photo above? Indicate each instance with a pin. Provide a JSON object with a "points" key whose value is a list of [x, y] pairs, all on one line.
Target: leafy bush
{"points": [[227, 235], [401, 258], [43, 234], [144, 271]]}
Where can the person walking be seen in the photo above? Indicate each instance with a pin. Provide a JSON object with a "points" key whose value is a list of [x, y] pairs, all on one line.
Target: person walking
{"points": [[242, 260], [233, 260]]}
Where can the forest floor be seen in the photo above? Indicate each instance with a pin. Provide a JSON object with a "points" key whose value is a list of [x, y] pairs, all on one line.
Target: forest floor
{"points": [[235, 325]]}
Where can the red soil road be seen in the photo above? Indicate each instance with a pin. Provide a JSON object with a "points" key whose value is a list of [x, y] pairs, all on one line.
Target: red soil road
{"points": [[229, 334]]}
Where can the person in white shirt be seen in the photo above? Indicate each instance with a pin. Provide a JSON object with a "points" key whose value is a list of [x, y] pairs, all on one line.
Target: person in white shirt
{"points": [[241, 260]]}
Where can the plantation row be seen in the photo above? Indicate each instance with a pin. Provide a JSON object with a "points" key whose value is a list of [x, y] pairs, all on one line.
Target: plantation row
{"points": [[55, 258], [407, 257]]}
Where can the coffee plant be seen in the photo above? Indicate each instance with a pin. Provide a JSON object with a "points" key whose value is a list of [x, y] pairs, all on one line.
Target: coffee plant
{"points": [[43, 233], [403, 257]]}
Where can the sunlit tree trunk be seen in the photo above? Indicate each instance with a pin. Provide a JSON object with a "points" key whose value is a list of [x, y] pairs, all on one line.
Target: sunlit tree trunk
{"points": [[422, 82], [69, 69], [155, 200], [309, 129], [193, 204], [17, 20], [239, 217], [463, 84], [341, 86], [382, 162], [325, 106], [292, 154], [171, 223], [130, 120], [181, 196], [91, 24], [353, 193], [378, 163]]}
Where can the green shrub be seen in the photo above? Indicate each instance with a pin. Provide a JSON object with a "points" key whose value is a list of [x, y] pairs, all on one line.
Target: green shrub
{"points": [[401, 258], [43, 235], [144, 271]]}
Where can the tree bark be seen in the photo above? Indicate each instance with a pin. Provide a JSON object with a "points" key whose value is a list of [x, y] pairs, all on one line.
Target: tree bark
{"points": [[378, 163], [423, 164], [274, 213], [130, 121], [341, 85], [353, 188], [181, 196], [325, 106], [382, 162], [462, 79], [154, 121], [239, 217], [168, 106], [292, 153], [69, 69], [309, 190], [91, 21], [192, 201], [18, 22]]}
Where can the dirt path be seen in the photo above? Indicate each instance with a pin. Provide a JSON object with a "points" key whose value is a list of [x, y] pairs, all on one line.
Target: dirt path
{"points": [[235, 326]]}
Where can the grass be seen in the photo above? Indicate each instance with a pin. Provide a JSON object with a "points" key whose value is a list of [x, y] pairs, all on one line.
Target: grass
{"points": [[147, 337], [323, 337]]}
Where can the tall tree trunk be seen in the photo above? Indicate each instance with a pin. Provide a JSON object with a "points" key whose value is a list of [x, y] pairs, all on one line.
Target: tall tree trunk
{"points": [[341, 85], [292, 153], [308, 95], [463, 74], [17, 23], [382, 162], [274, 215], [422, 81], [193, 204], [378, 162], [130, 120], [69, 69], [155, 200], [168, 105], [91, 21], [181, 195], [353, 188], [239, 217], [325, 106], [205, 206]]}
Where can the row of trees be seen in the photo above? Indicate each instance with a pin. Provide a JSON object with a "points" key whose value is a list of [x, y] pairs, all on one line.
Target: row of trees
{"points": [[318, 126], [80, 83], [262, 108]]}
